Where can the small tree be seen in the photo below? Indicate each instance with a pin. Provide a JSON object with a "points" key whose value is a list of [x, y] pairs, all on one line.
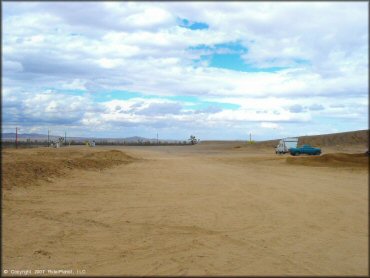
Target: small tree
{"points": [[193, 140]]}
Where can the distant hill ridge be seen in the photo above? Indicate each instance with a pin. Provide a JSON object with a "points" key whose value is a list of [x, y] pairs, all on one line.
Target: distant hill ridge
{"points": [[42, 137]]}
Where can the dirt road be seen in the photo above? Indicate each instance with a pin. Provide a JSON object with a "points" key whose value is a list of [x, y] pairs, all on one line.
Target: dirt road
{"points": [[192, 211]]}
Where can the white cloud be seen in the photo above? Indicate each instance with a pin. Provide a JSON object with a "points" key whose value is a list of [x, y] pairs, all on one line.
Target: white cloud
{"points": [[269, 125], [151, 16], [109, 63]]}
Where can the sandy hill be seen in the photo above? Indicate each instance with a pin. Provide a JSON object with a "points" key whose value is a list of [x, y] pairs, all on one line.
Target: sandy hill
{"points": [[359, 137]]}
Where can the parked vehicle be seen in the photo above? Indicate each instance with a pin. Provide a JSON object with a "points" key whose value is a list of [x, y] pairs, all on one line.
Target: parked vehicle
{"points": [[285, 144], [305, 149]]}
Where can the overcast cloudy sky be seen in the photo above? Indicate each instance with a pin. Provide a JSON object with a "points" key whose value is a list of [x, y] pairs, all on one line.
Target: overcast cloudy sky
{"points": [[217, 70]]}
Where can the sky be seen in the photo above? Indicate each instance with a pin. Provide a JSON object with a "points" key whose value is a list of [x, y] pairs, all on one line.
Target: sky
{"points": [[217, 70]]}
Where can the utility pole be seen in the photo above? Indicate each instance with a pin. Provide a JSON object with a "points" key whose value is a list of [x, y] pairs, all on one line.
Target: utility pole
{"points": [[250, 137], [48, 137], [65, 138], [157, 139], [16, 137]]}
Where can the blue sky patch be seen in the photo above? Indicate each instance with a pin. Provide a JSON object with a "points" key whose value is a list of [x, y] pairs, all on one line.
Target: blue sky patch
{"points": [[200, 47], [235, 46], [185, 23], [235, 62], [230, 47], [112, 95], [302, 62], [228, 56]]}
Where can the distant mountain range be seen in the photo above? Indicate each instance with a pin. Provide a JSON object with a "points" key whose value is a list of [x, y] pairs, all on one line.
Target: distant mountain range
{"points": [[43, 137]]}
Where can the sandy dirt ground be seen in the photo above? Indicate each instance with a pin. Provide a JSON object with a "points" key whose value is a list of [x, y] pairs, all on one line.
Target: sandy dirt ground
{"points": [[191, 210]]}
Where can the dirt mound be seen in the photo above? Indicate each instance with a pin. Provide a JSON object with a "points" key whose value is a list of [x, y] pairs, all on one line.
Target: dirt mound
{"points": [[25, 167], [360, 160]]}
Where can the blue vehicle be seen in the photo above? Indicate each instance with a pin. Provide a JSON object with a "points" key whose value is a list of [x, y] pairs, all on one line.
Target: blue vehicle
{"points": [[305, 149]]}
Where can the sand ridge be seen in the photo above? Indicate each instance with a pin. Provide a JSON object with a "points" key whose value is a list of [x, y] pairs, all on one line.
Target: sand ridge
{"points": [[354, 160], [27, 166]]}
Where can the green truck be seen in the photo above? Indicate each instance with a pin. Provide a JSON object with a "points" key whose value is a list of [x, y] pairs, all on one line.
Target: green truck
{"points": [[305, 149]]}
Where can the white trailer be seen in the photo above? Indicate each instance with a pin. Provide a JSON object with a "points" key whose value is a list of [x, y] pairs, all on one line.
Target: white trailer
{"points": [[285, 144]]}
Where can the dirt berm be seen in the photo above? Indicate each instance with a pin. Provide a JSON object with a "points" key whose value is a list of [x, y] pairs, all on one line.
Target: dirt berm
{"points": [[25, 167], [360, 160]]}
